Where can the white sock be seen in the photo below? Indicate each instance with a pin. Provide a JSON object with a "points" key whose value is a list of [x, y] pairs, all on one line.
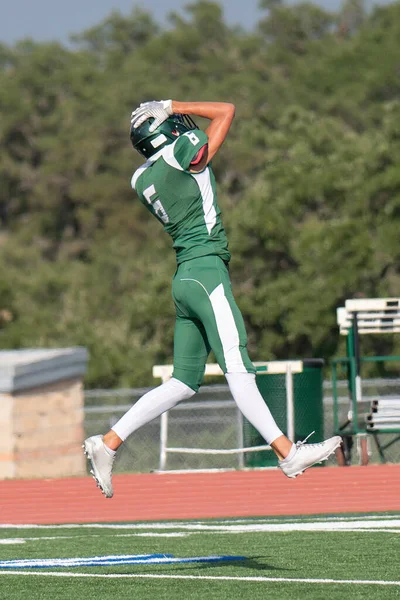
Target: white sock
{"points": [[250, 402], [292, 452], [109, 451], [151, 406]]}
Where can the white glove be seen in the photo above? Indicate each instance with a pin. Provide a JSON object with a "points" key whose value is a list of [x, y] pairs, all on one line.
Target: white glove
{"points": [[159, 110]]}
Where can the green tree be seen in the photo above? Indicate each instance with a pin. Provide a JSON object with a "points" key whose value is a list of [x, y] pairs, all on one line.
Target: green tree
{"points": [[308, 180]]}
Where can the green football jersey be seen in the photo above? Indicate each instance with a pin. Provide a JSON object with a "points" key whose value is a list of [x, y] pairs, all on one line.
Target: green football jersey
{"points": [[184, 202]]}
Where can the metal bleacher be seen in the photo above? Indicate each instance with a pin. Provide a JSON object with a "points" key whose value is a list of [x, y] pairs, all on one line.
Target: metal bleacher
{"points": [[379, 415]]}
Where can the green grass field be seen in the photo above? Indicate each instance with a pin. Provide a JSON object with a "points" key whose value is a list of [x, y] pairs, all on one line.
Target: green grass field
{"points": [[313, 558]]}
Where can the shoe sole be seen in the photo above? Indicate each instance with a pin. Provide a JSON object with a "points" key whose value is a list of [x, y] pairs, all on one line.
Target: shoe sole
{"points": [[317, 462], [88, 455]]}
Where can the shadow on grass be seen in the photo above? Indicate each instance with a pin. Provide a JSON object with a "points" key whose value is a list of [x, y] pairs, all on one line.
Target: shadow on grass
{"points": [[254, 563]]}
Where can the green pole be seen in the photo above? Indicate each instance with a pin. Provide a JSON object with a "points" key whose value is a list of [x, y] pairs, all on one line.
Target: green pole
{"points": [[352, 375], [335, 398]]}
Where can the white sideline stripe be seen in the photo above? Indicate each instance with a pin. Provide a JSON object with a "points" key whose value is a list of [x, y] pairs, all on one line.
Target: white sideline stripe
{"points": [[156, 524], [305, 519], [320, 518], [322, 524], [172, 534], [165, 535], [75, 537], [11, 541], [377, 530], [206, 578]]}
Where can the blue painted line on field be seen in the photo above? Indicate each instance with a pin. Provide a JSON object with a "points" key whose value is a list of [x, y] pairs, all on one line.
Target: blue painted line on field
{"points": [[113, 560], [81, 561]]}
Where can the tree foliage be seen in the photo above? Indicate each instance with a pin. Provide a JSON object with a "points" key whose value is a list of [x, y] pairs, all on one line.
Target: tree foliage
{"points": [[309, 180]]}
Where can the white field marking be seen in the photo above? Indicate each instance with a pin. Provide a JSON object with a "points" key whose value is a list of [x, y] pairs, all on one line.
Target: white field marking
{"points": [[247, 527], [161, 535], [87, 535], [370, 524], [46, 538], [303, 519], [373, 530], [174, 534], [205, 578], [177, 524]]}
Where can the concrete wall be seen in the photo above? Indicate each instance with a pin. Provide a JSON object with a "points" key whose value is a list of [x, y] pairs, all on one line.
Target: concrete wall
{"points": [[42, 413], [7, 448], [43, 431]]}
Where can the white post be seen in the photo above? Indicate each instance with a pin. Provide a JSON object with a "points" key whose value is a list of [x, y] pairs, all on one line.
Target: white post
{"points": [[289, 403], [358, 388], [240, 438]]}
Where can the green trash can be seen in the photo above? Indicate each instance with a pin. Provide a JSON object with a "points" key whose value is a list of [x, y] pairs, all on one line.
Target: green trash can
{"points": [[307, 406]]}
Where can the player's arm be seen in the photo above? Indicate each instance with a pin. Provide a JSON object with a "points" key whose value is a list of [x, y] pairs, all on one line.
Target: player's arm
{"points": [[221, 115]]}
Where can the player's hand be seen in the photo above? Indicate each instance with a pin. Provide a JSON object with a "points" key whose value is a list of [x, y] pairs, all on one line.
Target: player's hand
{"points": [[159, 110]]}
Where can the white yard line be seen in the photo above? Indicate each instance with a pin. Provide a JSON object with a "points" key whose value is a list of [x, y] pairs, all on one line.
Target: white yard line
{"points": [[367, 525], [23, 540], [206, 578], [10, 541], [14, 541], [304, 519], [208, 522], [327, 525]]}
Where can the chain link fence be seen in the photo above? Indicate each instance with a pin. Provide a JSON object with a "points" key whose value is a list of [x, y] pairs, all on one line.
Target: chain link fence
{"points": [[209, 420]]}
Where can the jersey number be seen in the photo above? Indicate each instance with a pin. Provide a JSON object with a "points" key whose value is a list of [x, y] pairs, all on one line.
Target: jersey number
{"points": [[158, 208], [192, 137]]}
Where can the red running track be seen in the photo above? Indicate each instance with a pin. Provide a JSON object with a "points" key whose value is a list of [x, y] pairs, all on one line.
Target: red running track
{"points": [[202, 495]]}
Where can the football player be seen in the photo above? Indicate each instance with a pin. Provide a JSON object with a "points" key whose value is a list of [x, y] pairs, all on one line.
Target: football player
{"points": [[176, 184]]}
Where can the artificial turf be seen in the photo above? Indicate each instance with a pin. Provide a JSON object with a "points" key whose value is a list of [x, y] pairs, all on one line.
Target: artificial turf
{"points": [[361, 555]]}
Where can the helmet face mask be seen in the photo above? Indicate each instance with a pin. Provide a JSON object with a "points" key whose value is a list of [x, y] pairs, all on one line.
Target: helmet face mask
{"points": [[148, 143]]}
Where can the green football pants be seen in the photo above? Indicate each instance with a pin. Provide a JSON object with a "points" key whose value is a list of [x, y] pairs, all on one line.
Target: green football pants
{"points": [[207, 317]]}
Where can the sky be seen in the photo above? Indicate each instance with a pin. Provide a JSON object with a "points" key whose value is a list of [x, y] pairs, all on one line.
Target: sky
{"points": [[44, 20]]}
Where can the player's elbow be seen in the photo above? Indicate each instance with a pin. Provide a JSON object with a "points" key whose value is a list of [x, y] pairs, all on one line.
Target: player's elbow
{"points": [[230, 109]]}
